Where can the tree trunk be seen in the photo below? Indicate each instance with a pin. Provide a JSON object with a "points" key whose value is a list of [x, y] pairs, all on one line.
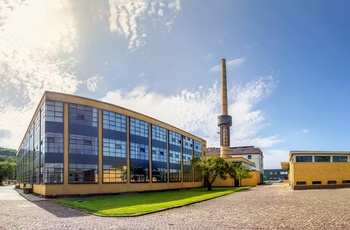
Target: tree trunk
{"points": [[209, 186]]}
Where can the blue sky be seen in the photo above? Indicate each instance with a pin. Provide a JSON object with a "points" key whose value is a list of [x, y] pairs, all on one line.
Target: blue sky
{"points": [[287, 66]]}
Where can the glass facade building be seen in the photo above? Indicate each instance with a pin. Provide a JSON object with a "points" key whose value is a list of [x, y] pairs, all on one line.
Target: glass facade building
{"points": [[76, 145]]}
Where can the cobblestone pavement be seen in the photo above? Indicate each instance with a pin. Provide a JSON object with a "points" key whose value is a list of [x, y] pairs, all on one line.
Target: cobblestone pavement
{"points": [[263, 207]]}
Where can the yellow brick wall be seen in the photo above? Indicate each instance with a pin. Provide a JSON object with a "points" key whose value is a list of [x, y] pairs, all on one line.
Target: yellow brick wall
{"points": [[245, 182], [319, 171], [252, 181]]}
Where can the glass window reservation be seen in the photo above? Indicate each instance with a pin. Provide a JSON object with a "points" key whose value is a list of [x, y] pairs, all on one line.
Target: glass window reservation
{"points": [[322, 158], [303, 158]]}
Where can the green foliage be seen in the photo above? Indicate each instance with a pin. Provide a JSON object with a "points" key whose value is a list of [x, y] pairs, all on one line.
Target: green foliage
{"points": [[242, 172], [141, 203], [213, 167], [7, 164], [7, 171]]}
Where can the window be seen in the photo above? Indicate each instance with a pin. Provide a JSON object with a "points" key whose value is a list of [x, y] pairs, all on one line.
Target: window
{"points": [[346, 181], [53, 111], [53, 143], [158, 133], [80, 117], [301, 183], [332, 182], [316, 182], [83, 115], [303, 158], [138, 127], [249, 157], [197, 153], [115, 173], [114, 148], [139, 151], [175, 138], [79, 144], [114, 121], [87, 142], [340, 159], [187, 152], [53, 173], [83, 173], [322, 159]]}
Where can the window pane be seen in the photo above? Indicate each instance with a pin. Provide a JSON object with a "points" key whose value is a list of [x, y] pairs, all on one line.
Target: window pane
{"points": [[322, 158], [303, 158]]}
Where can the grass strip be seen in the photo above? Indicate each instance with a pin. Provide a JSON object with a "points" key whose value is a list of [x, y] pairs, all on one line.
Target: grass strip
{"points": [[142, 203]]}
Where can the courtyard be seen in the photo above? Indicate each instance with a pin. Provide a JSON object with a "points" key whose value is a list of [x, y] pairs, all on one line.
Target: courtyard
{"points": [[273, 206]]}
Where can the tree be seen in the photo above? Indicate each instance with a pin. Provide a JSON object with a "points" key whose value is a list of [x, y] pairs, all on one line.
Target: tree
{"points": [[7, 171], [242, 172], [213, 167], [7, 164]]}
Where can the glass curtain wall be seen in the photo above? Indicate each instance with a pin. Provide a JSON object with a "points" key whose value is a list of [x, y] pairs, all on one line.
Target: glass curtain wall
{"points": [[197, 150], [114, 147], [51, 139], [83, 144], [174, 157], [139, 150], [159, 154], [187, 153]]}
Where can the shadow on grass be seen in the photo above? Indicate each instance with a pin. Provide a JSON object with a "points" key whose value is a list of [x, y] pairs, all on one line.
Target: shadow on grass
{"points": [[144, 203]]}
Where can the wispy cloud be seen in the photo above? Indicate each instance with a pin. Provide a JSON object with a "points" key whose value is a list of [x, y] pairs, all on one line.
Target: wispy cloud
{"points": [[234, 63], [34, 36], [126, 18], [92, 82], [196, 111]]}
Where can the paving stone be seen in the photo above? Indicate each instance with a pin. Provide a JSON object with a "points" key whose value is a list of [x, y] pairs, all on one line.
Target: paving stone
{"points": [[262, 207]]}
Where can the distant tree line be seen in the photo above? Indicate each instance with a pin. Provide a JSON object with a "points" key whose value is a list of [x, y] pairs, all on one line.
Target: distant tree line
{"points": [[7, 164]]}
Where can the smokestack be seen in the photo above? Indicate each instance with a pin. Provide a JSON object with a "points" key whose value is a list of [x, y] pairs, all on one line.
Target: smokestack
{"points": [[224, 110], [224, 120]]}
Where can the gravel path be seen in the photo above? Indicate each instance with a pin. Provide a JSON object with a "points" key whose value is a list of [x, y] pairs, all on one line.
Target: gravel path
{"points": [[264, 207]]}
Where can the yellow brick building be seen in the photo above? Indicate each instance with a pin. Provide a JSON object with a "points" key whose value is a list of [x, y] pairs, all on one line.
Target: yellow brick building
{"points": [[253, 181], [318, 169]]}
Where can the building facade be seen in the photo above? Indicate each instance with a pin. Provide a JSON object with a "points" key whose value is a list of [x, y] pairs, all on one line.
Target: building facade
{"points": [[275, 174], [318, 169], [250, 153], [77, 145]]}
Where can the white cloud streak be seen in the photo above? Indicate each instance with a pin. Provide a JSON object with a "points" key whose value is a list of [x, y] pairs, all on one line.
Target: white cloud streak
{"points": [[126, 18], [196, 111], [92, 83]]}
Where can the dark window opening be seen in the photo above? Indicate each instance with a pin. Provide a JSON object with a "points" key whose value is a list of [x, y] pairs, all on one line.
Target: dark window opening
{"points": [[80, 117], [346, 181], [87, 142], [303, 158], [142, 150], [332, 182], [316, 182], [301, 183], [322, 158], [50, 140]]}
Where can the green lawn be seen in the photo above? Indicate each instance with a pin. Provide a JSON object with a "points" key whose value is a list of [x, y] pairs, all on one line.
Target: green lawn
{"points": [[140, 203]]}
